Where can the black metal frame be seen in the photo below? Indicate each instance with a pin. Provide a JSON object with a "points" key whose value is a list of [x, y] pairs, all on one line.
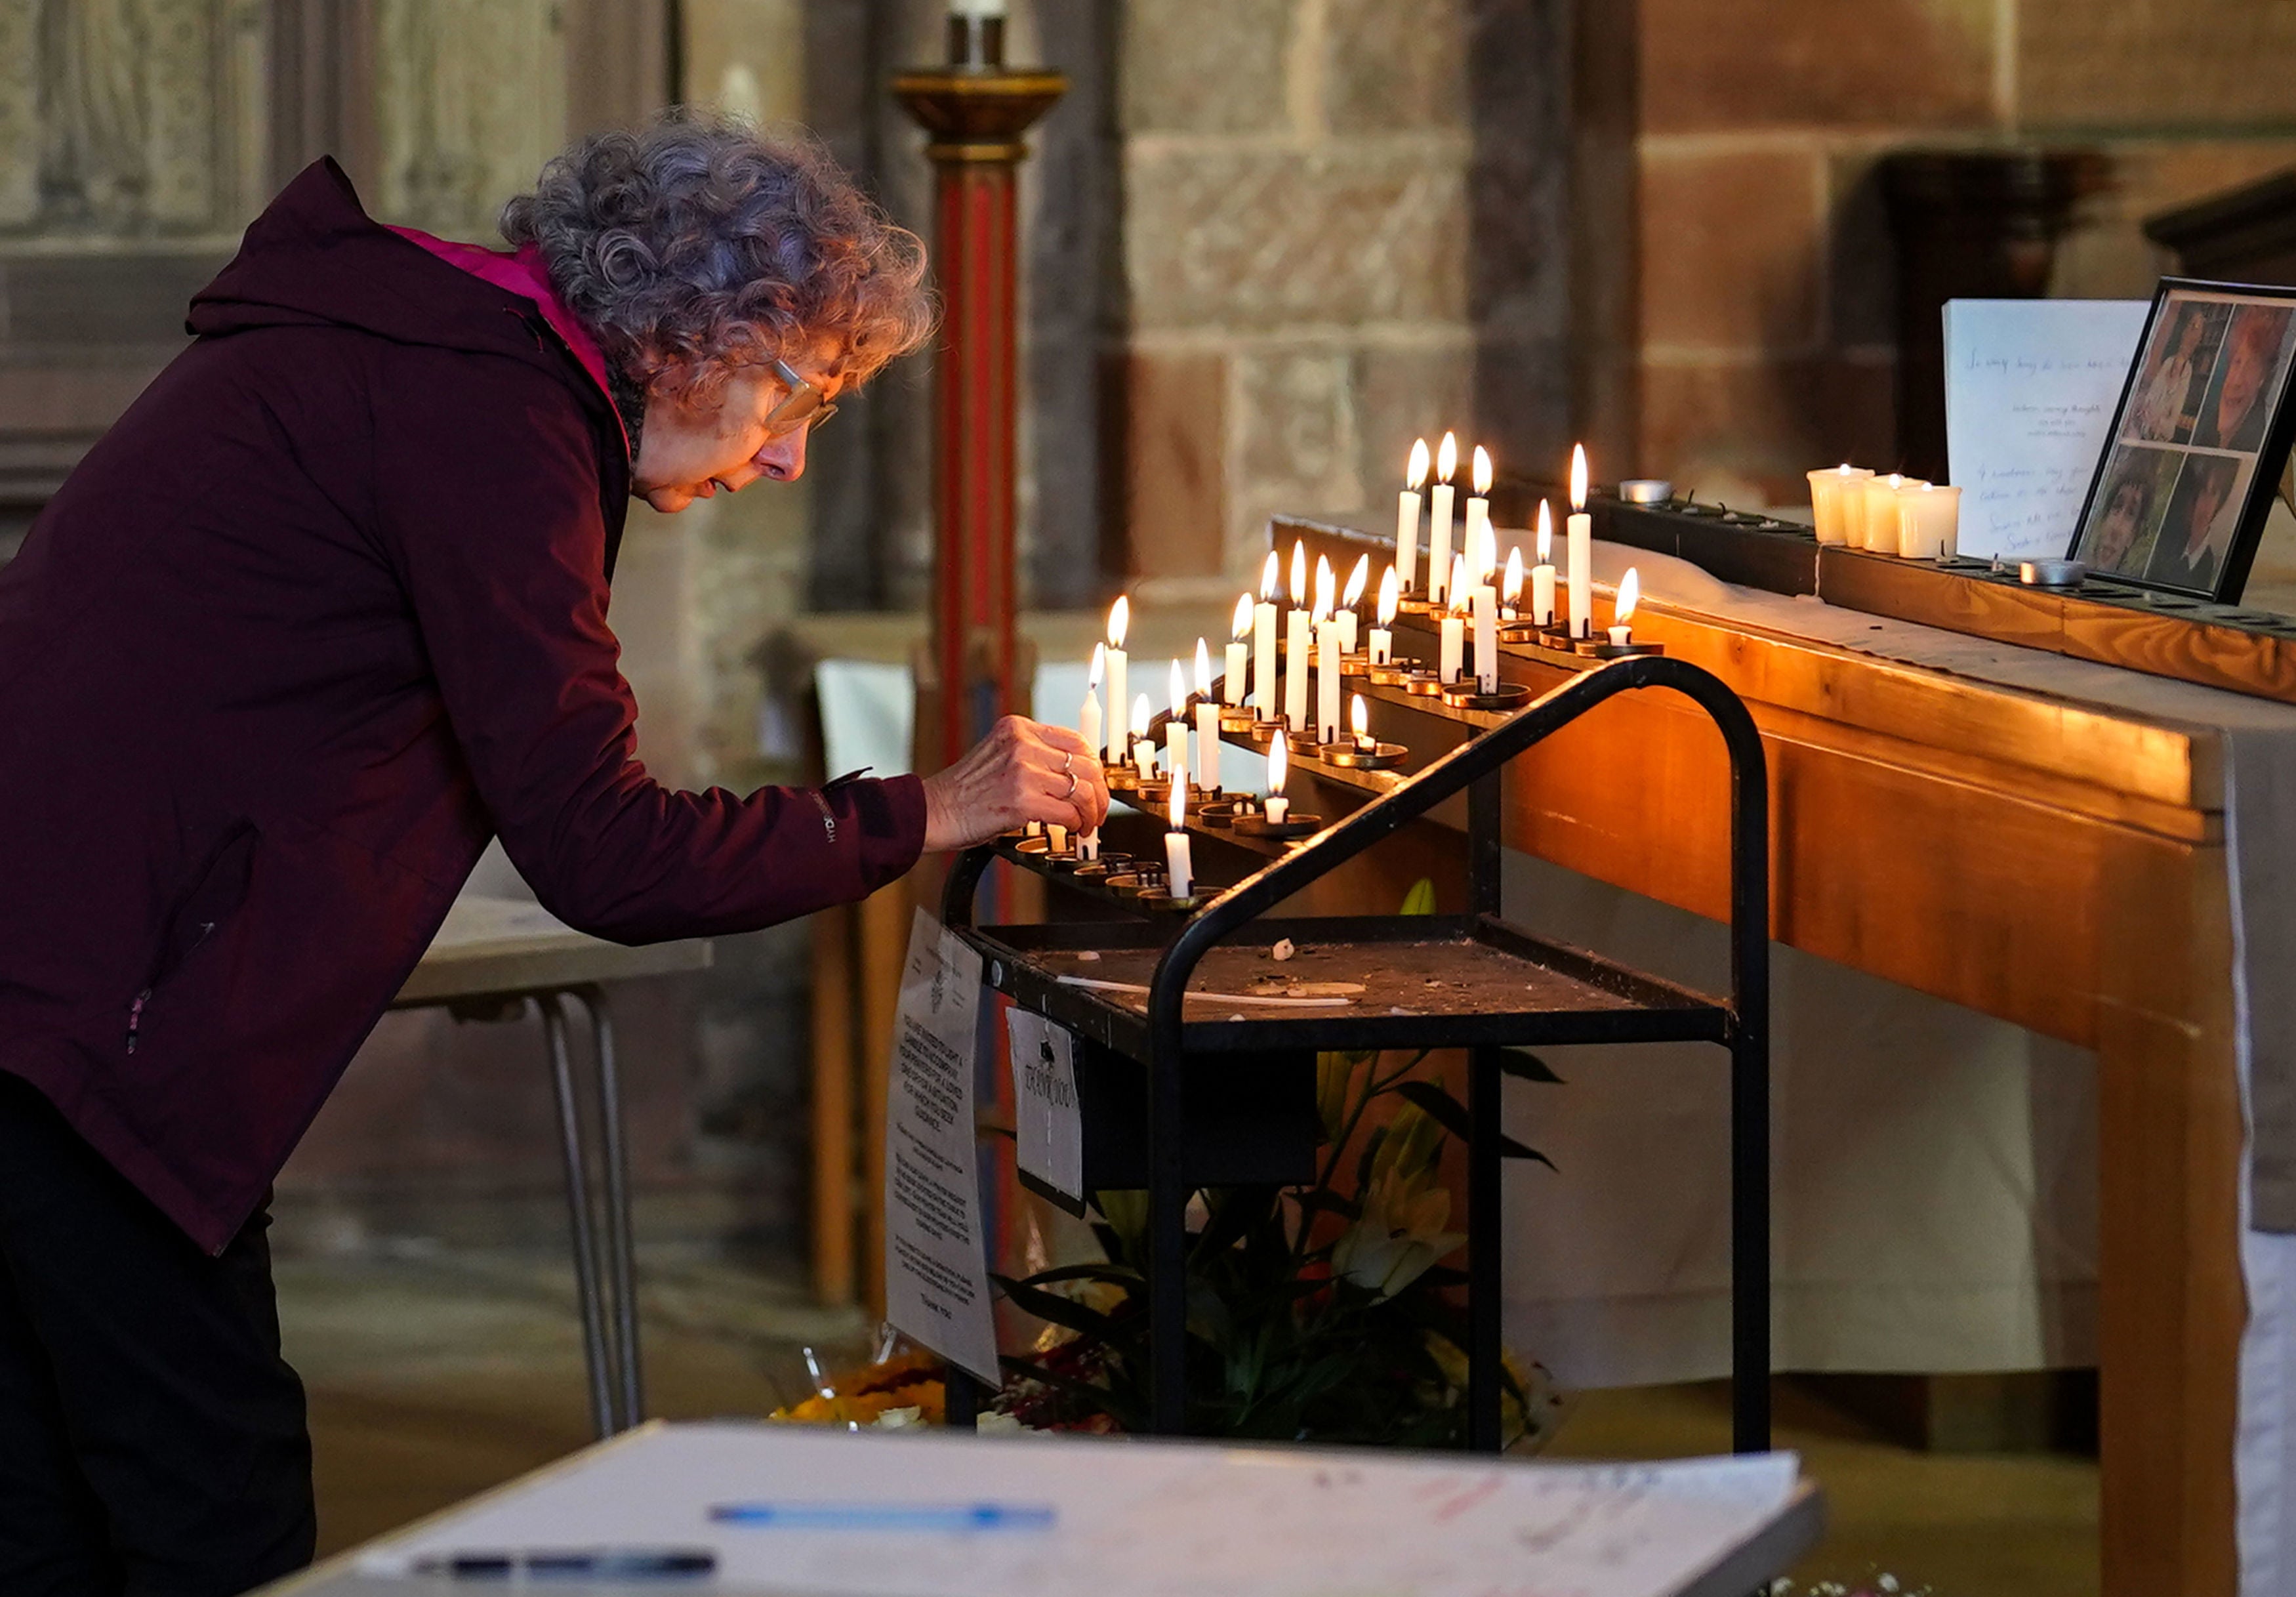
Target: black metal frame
{"points": [[1474, 767]]}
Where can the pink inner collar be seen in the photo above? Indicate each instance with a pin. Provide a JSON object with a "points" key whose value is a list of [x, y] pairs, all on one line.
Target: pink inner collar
{"points": [[522, 275]]}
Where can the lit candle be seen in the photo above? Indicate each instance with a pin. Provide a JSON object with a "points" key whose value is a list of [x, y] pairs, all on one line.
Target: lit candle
{"points": [[1360, 722], [1382, 635], [1542, 575], [1511, 588], [1579, 548], [1208, 738], [1263, 640], [1088, 718], [1438, 519], [1239, 650], [1176, 730], [1630, 590], [1826, 499], [1478, 516], [1279, 766], [1119, 618], [1144, 747], [1928, 521], [1881, 525], [1453, 631], [1298, 646], [1059, 835], [1348, 600], [1327, 657], [1176, 863], [1486, 639], [1407, 514]]}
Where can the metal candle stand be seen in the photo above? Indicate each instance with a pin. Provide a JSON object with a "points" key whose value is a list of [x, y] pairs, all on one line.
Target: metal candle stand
{"points": [[1202, 1079]]}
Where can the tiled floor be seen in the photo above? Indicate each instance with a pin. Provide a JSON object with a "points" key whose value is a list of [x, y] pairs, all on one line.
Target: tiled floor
{"points": [[434, 1375]]}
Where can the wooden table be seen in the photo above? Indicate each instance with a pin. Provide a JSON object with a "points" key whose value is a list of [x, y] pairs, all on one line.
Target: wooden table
{"points": [[495, 958]]}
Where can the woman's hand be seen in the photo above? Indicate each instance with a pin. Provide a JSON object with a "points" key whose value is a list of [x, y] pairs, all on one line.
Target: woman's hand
{"points": [[1021, 771]]}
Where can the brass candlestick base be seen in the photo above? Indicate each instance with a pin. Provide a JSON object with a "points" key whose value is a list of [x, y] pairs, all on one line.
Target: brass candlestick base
{"points": [[1506, 696], [1239, 719], [1354, 756], [1607, 650], [1358, 664], [1278, 831], [1395, 673], [1423, 684]]}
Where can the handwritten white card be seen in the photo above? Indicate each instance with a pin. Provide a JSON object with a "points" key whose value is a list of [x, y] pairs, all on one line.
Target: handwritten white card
{"points": [[1049, 1126], [935, 1265], [2030, 386]]}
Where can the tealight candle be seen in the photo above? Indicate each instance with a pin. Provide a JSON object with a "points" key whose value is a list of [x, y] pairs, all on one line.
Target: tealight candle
{"points": [[1928, 521], [1631, 590], [1279, 766], [1263, 643], [1825, 497], [1353, 597], [1579, 548], [1407, 515], [1120, 619], [1881, 522], [1175, 731], [1542, 575], [1359, 721], [1382, 635], [1208, 738], [1298, 622], [1178, 866], [1439, 520]]}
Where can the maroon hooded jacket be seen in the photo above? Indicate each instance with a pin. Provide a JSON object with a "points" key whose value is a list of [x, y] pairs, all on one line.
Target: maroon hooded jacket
{"points": [[323, 613]]}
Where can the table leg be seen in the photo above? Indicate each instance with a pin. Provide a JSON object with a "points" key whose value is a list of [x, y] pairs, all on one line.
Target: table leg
{"points": [[579, 1216], [621, 1273]]}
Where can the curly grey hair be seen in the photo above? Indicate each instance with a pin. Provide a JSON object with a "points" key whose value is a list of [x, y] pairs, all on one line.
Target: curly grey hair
{"points": [[697, 246]]}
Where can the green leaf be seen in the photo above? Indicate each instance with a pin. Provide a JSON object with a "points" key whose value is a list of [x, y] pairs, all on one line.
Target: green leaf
{"points": [[1115, 1275], [1509, 1148], [1421, 899], [1526, 1066], [1439, 1106], [1057, 1310]]}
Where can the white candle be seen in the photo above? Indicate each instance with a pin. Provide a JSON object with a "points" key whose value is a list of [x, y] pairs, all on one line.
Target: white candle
{"points": [[1298, 644], [1510, 587], [1928, 521], [1880, 524], [985, 10], [1452, 655], [1439, 520], [1119, 618], [1360, 721], [1176, 863], [1482, 543], [1208, 739], [1825, 498], [1088, 845], [1060, 838], [1327, 682], [1144, 748], [1631, 590], [1486, 639], [1263, 640], [1348, 600], [1542, 575], [1239, 651], [1279, 766], [1176, 730], [1579, 546], [1088, 718], [1407, 515], [1382, 635]]}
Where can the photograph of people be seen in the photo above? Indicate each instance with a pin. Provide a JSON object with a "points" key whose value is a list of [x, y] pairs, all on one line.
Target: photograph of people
{"points": [[2184, 351], [2119, 534], [2190, 549], [2250, 371]]}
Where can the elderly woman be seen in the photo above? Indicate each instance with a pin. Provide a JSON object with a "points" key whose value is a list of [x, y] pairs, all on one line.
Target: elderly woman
{"points": [[321, 615]]}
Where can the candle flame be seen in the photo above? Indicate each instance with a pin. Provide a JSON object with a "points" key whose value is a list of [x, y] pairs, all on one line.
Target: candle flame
{"points": [[1630, 593], [1545, 534], [1447, 458], [1896, 479], [1457, 592], [1268, 575], [1416, 476], [1845, 468], [1099, 665], [1323, 588], [1176, 806], [1359, 718], [1578, 476], [1356, 580], [1279, 762], [1142, 716], [1240, 628], [1389, 590], [1490, 552], [1203, 669], [1299, 573], [1512, 588], [1482, 471], [1119, 618], [1179, 691]]}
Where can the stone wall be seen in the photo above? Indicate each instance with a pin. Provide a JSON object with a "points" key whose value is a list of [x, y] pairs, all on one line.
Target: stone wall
{"points": [[1766, 310]]}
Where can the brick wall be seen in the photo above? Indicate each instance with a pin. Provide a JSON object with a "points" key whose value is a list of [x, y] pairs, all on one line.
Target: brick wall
{"points": [[1765, 305]]}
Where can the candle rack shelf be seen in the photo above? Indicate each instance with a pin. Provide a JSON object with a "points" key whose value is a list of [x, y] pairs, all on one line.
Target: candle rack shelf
{"points": [[1188, 1077]]}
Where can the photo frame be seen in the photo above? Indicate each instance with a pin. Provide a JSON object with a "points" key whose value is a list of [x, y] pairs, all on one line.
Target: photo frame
{"points": [[2198, 442]]}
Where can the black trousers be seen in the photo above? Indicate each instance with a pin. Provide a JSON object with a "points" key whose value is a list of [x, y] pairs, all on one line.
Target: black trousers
{"points": [[152, 1442]]}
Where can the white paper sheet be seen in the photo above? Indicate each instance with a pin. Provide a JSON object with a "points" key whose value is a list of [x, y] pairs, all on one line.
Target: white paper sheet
{"points": [[1050, 1128], [936, 1266], [1136, 1518], [2030, 386]]}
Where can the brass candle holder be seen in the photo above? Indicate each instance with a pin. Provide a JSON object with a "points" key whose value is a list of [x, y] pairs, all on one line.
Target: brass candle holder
{"points": [[1351, 755], [1604, 649], [1290, 827], [1398, 670], [1467, 696]]}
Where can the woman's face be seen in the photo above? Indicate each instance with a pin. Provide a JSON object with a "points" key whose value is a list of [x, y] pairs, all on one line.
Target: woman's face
{"points": [[2117, 531], [2188, 336], [2244, 375], [686, 453]]}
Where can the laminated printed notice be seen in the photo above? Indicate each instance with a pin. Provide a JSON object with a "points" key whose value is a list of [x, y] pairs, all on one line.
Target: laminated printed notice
{"points": [[1051, 1130], [935, 1265]]}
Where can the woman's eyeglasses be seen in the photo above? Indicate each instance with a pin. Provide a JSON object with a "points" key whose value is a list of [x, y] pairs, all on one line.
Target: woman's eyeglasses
{"points": [[805, 408]]}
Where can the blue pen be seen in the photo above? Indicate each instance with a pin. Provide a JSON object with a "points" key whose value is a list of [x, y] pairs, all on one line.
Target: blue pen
{"points": [[888, 1516]]}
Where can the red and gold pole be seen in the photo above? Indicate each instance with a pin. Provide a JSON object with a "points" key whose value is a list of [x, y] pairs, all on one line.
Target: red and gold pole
{"points": [[976, 110]]}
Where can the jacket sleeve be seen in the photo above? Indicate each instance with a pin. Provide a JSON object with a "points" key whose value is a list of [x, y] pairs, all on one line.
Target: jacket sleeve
{"points": [[486, 502]]}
